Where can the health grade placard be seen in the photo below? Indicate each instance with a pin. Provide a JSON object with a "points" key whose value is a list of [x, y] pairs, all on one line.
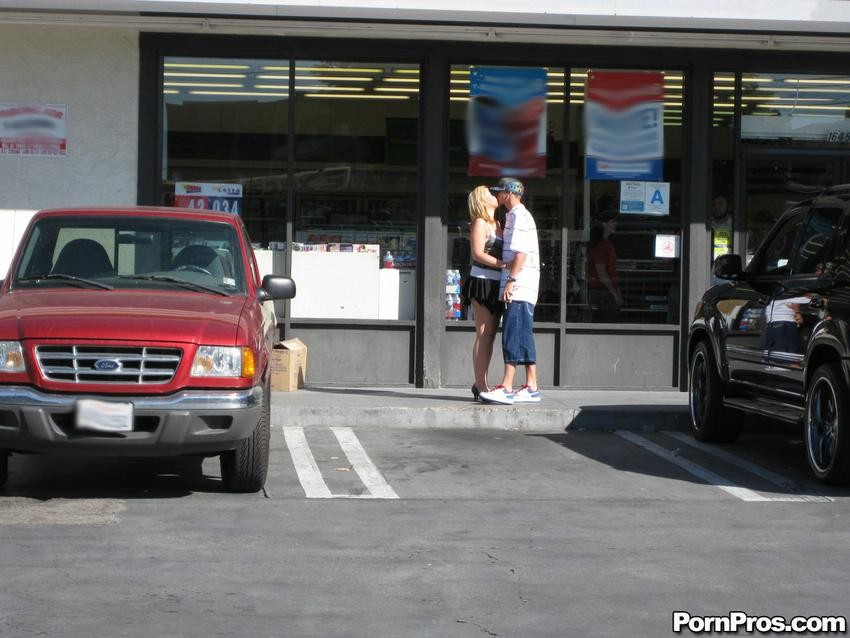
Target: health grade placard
{"points": [[221, 197]]}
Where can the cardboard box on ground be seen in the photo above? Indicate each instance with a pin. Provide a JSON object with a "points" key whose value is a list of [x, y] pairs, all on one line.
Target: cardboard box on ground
{"points": [[289, 365]]}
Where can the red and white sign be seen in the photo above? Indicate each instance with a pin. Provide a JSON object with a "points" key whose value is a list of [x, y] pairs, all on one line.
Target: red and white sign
{"points": [[223, 197], [624, 125], [33, 129]]}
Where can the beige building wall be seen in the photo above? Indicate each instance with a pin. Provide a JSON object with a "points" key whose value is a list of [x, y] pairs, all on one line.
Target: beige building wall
{"points": [[95, 73]]}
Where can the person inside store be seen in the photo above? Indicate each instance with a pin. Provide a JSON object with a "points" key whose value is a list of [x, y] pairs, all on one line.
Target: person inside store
{"points": [[480, 290], [603, 281], [721, 211], [518, 289]]}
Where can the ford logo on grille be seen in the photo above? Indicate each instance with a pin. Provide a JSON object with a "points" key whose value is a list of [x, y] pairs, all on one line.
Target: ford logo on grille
{"points": [[107, 365]]}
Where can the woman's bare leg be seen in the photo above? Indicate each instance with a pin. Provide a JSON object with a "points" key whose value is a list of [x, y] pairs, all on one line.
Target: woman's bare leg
{"points": [[482, 347]]}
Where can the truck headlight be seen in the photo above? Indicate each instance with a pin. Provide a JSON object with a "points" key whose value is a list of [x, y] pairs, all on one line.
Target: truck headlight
{"points": [[12, 357], [218, 361]]}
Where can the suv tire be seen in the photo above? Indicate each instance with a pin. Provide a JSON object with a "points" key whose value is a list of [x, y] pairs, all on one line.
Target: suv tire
{"points": [[4, 467], [827, 426], [244, 469], [711, 421]]}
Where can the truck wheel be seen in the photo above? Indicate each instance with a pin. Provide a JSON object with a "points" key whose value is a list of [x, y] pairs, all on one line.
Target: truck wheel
{"points": [[827, 431], [244, 469], [710, 420], [4, 467]]}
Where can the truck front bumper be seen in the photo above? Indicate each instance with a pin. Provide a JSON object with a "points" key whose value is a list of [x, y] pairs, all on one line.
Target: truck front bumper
{"points": [[188, 422]]}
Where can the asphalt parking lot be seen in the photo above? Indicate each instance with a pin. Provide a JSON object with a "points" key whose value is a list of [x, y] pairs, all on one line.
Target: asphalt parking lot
{"points": [[424, 532]]}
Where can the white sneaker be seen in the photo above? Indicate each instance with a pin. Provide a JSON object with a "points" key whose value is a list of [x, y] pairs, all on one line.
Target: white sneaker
{"points": [[527, 395], [498, 395]]}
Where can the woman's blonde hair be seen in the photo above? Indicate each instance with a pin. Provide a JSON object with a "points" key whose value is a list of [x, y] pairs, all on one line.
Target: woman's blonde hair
{"points": [[477, 209]]}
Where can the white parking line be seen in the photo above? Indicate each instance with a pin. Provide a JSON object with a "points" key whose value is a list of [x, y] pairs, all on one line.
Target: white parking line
{"points": [[772, 477], [311, 477], [362, 464], [305, 465], [697, 470]]}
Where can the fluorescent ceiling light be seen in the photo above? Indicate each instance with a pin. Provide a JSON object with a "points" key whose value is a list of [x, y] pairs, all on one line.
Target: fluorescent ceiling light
{"points": [[239, 93], [803, 107], [334, 69], [397, 89], [301, 87], [181, 74], [403, 80], [209, 85], [836, 81], [193, 65], [357, 97]]}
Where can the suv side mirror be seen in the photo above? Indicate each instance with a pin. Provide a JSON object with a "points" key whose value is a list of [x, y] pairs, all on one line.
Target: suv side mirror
{"points": [[276, 287], [728, 267]]}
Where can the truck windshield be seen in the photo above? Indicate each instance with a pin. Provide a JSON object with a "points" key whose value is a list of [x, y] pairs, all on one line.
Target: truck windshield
{"points": [[118, 252]]}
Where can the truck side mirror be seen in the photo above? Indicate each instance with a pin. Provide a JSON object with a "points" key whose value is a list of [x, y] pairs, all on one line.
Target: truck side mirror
{"points": [[728, 267], [276, 287]]}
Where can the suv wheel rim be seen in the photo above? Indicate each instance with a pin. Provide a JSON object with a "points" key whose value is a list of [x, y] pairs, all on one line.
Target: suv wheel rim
{"points": [[822, 425], [698, 390]]}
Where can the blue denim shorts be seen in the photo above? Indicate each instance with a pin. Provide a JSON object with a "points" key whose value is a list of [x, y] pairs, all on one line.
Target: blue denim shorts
{"points": [[518, 333]]}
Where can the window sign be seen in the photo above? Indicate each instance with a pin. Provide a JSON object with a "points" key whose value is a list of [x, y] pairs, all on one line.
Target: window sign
{"points": [[221, 197], [624, 125], [645, 198], [33, 129], [667, 246], [506, 121]]}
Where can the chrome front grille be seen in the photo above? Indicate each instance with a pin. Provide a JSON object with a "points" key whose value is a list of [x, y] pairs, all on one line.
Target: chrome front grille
{"points": [[108, 364]]}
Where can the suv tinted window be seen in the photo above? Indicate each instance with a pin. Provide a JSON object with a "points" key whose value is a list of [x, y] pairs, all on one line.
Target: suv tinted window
{"points": [[776, 258], [814, 241]]}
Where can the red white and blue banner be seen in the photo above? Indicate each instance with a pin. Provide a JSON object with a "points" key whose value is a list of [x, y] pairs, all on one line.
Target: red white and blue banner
{"points": [[223, 197], [506, 121], [624, 125]]}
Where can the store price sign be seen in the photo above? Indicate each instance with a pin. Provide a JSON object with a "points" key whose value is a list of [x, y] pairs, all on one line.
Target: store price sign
{"points": [[206, 196]]}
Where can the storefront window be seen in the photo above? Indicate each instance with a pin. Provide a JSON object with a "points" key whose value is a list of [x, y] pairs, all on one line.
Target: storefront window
{"points": [[356, 174], [808, 110], [542, 176], [225, 123], [721, 207], [625, 238]]}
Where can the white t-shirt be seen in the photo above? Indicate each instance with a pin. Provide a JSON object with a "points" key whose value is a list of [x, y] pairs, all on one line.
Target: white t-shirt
{"points": [[781, 310], [520, 236]]}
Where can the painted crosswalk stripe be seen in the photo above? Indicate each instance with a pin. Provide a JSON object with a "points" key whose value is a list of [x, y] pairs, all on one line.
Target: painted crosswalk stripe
{"points": [[305, 465], [700, 472], [752, 468], [362, 464]]}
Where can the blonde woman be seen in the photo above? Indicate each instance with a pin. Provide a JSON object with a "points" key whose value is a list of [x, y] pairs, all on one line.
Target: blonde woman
{"points": [[481, 288]]}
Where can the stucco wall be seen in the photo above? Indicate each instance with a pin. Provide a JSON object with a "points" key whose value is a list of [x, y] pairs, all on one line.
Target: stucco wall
{"points": [[96, 74]]}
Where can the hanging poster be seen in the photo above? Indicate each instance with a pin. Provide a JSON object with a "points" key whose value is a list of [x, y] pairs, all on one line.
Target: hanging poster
{"points": [[624, 125], [223, 197], [33, 129], [506, 121]]}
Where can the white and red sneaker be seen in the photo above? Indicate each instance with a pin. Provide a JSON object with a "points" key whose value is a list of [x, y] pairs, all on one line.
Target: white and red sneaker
{"points": [[500, 394], [527, 395]]}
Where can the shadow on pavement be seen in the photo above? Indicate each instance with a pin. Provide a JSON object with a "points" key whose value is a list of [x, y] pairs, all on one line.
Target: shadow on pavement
{"points": [[45, 477]]}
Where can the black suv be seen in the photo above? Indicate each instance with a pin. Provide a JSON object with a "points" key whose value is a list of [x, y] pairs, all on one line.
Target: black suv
{"points": [[775, 338]]}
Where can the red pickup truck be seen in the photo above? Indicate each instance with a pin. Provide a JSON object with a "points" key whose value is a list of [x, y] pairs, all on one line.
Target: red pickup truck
{"points": [[138, 332]]}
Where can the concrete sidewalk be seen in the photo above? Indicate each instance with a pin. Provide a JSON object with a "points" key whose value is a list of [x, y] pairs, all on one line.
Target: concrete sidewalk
{"points": [[454, 408]]}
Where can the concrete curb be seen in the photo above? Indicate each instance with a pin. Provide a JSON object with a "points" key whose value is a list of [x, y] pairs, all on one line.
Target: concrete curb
{"points": [[518, 418]]}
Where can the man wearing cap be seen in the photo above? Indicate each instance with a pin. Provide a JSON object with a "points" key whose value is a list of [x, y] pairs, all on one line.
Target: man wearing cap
{"points": [[518, 290]]}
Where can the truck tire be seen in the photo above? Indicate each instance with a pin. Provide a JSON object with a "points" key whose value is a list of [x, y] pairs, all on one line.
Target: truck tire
{"points": [[711, 421], [244, 469], [827, 426]]}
